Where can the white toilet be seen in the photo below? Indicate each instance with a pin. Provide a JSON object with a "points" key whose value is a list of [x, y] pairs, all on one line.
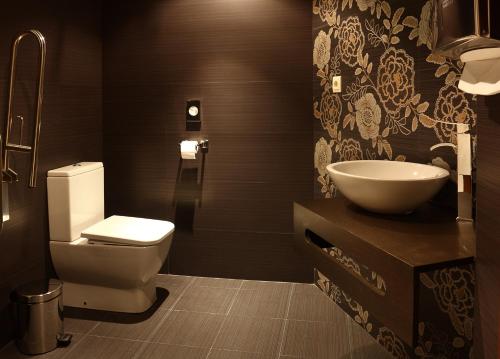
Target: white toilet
{"points": [[107, 264]]}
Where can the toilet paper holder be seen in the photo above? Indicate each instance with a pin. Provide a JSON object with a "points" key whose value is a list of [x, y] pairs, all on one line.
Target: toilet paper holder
{"points": [[202, 145]]}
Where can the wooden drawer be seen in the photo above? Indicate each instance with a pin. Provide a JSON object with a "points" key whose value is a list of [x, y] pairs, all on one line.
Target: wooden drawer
{"points": [[376, 261], [382, 285]]}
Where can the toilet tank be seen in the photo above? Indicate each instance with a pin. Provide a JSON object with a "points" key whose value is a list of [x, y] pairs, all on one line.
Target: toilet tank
{"points": [[75, 199]]}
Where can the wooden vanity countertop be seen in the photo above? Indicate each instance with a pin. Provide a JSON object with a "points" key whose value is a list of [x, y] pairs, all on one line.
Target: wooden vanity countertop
{"points": [[430, 236]]}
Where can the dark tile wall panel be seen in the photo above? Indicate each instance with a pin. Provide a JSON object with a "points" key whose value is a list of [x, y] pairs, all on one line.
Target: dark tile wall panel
{"points": [[248, 61], [71, 124], [487, 321]]}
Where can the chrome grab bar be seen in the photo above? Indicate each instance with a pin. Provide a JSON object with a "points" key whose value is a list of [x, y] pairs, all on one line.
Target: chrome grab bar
{"points": [[8, 174]]}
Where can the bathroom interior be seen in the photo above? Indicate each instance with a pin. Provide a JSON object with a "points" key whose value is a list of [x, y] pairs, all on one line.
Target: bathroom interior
{"points": [[250, 179]]}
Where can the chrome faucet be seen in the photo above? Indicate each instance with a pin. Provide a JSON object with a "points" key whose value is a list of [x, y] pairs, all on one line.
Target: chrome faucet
{"points": [[463, 149]]}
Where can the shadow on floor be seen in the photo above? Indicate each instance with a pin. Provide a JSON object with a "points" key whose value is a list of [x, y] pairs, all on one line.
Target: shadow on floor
{"points": [[115, 317]]}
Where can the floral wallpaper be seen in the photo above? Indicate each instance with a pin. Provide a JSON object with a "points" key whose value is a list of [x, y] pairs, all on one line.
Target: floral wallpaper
{"points": [[444, 314], [371, 278], [397, 98], [446, 330]]}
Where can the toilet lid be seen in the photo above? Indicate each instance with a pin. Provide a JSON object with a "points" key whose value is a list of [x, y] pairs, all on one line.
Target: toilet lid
{"points": [[129, 231]]}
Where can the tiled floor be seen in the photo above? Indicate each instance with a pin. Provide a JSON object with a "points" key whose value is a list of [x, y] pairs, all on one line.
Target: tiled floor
{"points": [[211, 318]]}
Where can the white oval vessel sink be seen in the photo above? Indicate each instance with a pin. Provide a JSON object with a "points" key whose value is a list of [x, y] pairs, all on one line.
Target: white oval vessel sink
{"points": [[388, 187]]}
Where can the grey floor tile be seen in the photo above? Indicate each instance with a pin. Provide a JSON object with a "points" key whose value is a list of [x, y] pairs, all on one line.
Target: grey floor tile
{"points": [[309, 303], [167, 351], [262, 299], [233, 354], [76, 325], [363, 345], [217, 282], [10, 351], [255, 284], [104, 348], [175, 285], [134, 330], [318, 340], [189, 328], [177, 280], [206, 299], [247, 334]]}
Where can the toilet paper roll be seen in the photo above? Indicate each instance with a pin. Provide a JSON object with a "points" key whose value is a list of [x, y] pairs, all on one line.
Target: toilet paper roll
{"points": [[189, 150]]}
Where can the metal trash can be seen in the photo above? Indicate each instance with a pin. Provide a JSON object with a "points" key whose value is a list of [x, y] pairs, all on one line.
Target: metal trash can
{"points": [[39, 316]]}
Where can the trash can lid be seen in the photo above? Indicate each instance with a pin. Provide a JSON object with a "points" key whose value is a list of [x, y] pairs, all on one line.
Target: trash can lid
{"points": [[39, 291]]}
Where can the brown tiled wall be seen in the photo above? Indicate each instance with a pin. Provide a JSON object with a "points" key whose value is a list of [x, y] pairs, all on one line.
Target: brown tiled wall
{"points": [[487, 321], [249, 63]]}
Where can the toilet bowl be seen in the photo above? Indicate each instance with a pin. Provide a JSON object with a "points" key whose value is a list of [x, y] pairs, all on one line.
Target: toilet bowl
{"points": [[106, 264]]}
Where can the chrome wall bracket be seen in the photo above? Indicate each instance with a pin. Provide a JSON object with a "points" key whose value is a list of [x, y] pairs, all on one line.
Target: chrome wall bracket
{"points": [[9, 175], [6, 144]]}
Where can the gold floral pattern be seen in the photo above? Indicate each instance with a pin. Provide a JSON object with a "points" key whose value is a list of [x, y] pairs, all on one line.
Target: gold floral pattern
{"points": [[364, 5], [327, 10], [327, 287], [322, 156], [351, 40], [329, 112], [454, 292], [346, 261], [376, 46], [442, 291], [350, 150], [451, 107], [322, 47], [384, 336], [392, 343], [358, 313], [372, 278], [425, 36], [368, 116], [396, 80]]}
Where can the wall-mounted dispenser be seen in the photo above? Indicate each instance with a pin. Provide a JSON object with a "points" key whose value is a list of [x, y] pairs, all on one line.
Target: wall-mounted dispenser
{"points": [[193, 115], [469, 30]]}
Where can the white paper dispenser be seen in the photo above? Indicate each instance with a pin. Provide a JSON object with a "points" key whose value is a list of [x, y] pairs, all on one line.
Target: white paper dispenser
{"points": [[466, 30]]}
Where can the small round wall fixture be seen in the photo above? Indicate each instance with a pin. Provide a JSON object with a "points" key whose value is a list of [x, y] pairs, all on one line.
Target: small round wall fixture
{"points": [[193, 111]]}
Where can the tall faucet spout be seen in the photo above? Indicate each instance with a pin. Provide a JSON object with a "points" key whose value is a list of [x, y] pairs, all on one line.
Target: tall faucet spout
{"points": [[463, 149]]}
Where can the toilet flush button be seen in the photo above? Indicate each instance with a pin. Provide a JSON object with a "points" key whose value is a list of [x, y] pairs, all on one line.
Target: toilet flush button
{"points": [[193, 111]]}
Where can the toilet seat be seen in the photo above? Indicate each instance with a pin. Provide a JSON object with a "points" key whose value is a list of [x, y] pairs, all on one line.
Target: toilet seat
{"points": [[128, 231]]}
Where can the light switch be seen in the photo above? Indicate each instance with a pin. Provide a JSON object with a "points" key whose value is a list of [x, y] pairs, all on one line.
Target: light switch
{"points": [[337, 84]]}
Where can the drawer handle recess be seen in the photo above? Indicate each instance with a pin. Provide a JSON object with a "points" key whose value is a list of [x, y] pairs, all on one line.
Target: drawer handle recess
{"points": [[372, 280]]}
